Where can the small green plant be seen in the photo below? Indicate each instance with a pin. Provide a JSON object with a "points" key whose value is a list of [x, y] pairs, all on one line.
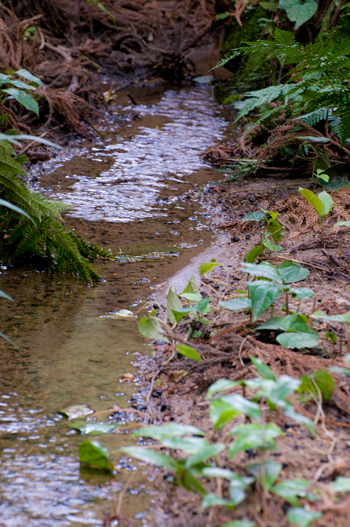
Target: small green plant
{"points": [[270, 228], [297, 11], [262, 293], [197, 460], [343, 319], [296, 331], [323, 204], [11, 87], [272, 282]]}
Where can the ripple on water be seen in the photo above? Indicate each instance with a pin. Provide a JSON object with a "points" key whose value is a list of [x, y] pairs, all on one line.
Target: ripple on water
{"points": [[145, 163]]}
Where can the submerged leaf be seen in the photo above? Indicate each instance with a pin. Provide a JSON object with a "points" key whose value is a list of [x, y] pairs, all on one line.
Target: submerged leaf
{"points": [[79, 410], [93, 428]]}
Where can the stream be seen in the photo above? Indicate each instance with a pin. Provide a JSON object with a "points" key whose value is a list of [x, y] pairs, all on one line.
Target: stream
{"points": [[127, 195]]}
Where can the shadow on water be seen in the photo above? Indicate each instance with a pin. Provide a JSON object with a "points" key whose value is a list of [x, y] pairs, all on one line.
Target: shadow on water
{"points": [[127, 194]]}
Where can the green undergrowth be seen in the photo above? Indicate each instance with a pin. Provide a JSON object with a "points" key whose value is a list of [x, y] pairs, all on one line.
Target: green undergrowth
{"points": [[243, 413]]}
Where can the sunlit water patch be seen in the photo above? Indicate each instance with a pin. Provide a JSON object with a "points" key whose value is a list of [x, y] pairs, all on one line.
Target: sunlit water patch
{"points": [[145, 164]]}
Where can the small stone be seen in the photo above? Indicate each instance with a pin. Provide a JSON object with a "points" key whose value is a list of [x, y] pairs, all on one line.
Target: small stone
{"points": [[127, 377]]}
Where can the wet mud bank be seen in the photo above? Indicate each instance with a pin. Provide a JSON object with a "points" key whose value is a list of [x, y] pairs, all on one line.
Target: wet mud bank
{"points": [[132, 193]]}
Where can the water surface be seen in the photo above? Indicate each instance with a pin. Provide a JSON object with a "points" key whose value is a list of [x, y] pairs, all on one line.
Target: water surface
{"points": [[127, 194]]}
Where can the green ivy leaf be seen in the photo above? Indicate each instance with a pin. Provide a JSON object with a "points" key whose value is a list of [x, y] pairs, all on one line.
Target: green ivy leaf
{"points": [[341, 224], [188, 445], [242, 405], [275, 228], [150, 328], [291, 489], [302, 517], [324, 381], [262, 271], [191, 297], [290, 272], [220, 385], [327, 203], [331, 336], [205, 453], [189, 352], [262, 294], [169, 431], [253, 436], [211, 500], [253, 253], [262, 368], [266, 473], [272, 246], [173, 303], [254, 216], [299, 12], [301, 292], [295, 323], [151, 456], [298, 340], [192, 286], [236, 304], [312, 199], [334, 318], [206, 267], [23, 98], [27, 75], [221, 412], [341, 484], [95, 455]]}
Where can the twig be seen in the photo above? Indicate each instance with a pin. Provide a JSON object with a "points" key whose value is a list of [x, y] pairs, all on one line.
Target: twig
{"points": [[240, 350], [300, 262], [151, 387], [29, 145], [125, 488]]}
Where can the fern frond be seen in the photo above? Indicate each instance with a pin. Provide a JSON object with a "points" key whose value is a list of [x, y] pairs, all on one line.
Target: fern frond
{"points": [[47, 238]]}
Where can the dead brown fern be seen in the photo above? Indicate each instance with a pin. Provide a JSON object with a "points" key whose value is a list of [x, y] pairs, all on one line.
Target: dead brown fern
{"points": [[302, 216]]}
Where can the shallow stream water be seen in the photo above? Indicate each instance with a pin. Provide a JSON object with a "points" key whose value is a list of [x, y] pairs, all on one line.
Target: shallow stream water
{"points": [[127, 195]]}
